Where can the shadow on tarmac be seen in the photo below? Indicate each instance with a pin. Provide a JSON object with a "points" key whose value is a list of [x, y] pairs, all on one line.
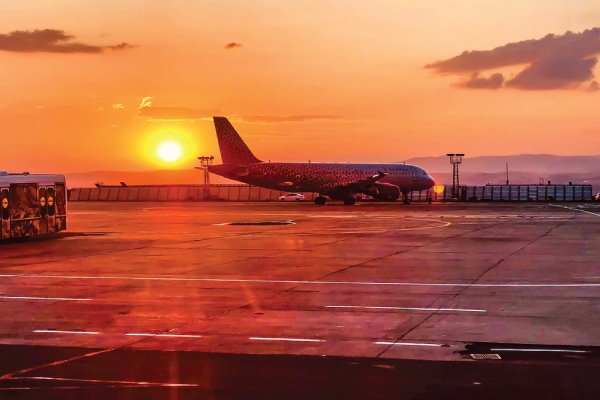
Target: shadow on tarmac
{"points": [[140, 374]]}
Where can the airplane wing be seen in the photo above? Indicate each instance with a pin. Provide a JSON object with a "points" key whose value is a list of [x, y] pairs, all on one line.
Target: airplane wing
{"points": [[369, 186], [368, 182]]}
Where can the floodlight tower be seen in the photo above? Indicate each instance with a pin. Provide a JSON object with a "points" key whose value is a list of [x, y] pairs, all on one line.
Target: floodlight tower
{"points": [[455, 159], [205, 162]]}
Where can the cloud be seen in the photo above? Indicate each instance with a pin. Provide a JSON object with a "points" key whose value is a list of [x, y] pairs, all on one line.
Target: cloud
{"points": [[169, 113], [291, 118], [594, 87], [50, 41], [557, 73], [553, 62], [477, 81], [232, 45]]}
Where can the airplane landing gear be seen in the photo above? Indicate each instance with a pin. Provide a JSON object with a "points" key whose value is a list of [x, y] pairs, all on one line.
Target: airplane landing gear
{"points": [[320, 201], [350, 201], [405, 198]]}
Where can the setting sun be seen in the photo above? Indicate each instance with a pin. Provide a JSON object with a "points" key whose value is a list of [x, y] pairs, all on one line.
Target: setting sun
{"points": [[169, 151]]}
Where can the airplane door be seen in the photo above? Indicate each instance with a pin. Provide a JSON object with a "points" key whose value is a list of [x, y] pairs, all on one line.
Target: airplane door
{"points": [[415, 176], [4, 214]]}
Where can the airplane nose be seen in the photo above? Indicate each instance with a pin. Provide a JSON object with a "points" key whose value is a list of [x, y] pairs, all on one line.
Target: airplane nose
{"points": [[431, 181]]}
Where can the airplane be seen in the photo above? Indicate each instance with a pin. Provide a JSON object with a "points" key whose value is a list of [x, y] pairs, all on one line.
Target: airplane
{"points": [[336, 181]]}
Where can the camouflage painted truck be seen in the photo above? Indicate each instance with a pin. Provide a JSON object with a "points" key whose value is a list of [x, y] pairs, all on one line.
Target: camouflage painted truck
{"points": [[32, 205]]}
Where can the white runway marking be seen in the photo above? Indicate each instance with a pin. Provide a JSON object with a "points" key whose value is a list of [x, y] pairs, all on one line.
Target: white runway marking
{"points": [[410, 344], [576, 209], [103, 381], [73, 332], [42, 298], [136, 278], [409, 308], [162, 335], [544, 350], [287, 339]]}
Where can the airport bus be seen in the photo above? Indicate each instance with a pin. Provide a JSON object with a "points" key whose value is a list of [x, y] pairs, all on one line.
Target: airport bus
{"points": [[32, 205]]}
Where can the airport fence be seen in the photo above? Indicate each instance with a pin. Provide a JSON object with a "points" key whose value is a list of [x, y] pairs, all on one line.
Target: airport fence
{"points": [[253, 193], [520, 193], [179, 193]]}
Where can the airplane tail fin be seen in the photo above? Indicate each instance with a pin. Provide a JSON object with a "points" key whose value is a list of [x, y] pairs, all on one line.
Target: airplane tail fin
{"points": [[233, 149]]}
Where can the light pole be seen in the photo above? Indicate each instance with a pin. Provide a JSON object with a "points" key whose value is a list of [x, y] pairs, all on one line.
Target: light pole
{"points": [[455, 159], [205, 162]]}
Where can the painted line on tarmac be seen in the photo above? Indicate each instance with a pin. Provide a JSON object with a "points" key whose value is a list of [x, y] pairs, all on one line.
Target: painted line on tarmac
{"points": [[576, 209], [286, 339], [48, 378], [42, 298], [69, 332], [409, 308], [139, 278], [162, 335], [409, 344], [545, 350]]}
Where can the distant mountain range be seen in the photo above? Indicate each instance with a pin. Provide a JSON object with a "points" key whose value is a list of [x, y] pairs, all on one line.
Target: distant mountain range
{"points": [[523, 169]]}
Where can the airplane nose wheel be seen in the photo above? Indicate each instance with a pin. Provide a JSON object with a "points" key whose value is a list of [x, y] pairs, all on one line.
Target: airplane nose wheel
{"points": [[320, 200]]}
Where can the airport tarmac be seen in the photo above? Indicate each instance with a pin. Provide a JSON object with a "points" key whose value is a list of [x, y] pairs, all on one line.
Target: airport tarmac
{"points": [[375, 281]]}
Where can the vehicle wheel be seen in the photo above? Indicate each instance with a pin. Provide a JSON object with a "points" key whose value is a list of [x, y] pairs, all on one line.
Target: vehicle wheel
{"points": [[350, 201], [320, 200], [297, 199], [281, 199]]}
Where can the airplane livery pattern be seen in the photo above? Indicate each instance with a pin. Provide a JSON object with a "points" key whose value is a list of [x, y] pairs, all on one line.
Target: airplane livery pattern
{"points": [[233, 148], [334, 180]]}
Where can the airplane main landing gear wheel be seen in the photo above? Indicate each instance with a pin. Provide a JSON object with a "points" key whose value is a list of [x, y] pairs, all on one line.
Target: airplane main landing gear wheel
{"points": [[349, 202], [320, 200], [405, 198]]}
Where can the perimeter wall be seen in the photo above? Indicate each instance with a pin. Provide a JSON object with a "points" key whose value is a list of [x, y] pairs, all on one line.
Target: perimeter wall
{"points": [[253, 193]]}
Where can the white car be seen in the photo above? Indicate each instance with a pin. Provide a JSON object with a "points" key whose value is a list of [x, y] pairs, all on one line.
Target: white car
{"points": [[292, 197]]}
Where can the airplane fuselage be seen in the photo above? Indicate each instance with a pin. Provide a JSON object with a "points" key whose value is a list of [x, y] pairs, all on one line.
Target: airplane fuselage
{"points": [[323, 178]]}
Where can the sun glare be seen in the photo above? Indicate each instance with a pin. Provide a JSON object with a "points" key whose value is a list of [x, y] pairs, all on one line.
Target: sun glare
{"points": [[169, 151], [438, 188]]}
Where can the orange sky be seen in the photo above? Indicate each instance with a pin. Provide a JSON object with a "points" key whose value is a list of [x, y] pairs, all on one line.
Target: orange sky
{"points": [[359, 64]]}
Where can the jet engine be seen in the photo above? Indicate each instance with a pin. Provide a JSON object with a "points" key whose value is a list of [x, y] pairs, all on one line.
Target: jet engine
{"points": [[384, 191]]}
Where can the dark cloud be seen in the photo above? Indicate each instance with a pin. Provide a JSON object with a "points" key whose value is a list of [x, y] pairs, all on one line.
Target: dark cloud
{"points": [[557, 73], [168, 113], [291, 118], [49, 41], [594, 87], [232, 45], [477, 81], [571, 45], [554, 62]]}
